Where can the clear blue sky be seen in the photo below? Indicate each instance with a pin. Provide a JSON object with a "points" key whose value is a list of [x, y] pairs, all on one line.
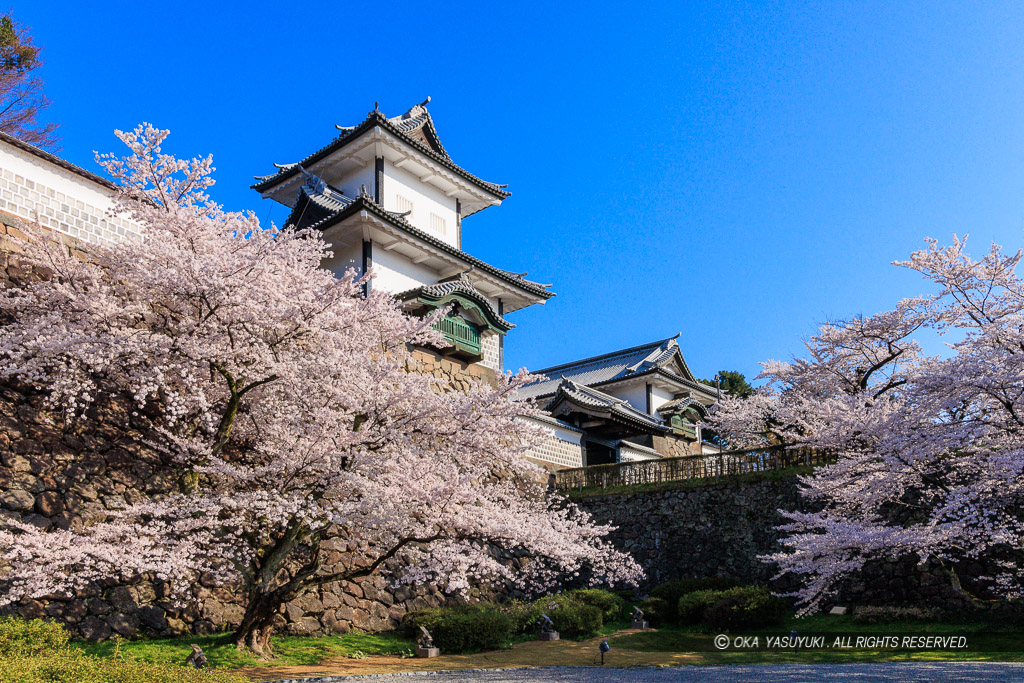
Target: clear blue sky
{"points": [[736, 173]]}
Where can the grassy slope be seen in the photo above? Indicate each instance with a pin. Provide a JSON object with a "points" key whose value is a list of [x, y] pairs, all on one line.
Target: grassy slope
{"points": [[1001, 636], [221, 652], [300, 650]]}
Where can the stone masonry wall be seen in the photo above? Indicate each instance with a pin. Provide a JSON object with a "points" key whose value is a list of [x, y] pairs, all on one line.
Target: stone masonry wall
{"points": [[721, 529], [58, 476]]}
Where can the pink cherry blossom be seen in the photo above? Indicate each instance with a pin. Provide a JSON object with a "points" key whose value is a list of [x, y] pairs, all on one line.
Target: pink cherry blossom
{"points": [[284, 398], [930, 449]]}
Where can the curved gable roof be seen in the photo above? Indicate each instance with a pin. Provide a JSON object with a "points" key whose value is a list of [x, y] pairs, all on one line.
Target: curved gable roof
{"points": [[415, 128], [662, 357]]}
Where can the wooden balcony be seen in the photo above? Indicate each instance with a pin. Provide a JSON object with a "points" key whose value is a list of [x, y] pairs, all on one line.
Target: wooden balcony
{"points": [[462, 336]]}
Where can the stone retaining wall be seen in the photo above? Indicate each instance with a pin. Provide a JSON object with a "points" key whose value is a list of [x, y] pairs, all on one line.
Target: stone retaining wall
{"points": [[55, 476], [721, 529]]}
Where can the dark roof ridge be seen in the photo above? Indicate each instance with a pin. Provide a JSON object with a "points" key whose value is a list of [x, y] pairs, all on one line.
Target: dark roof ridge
{"points": [[56, 160], [604, 356], [365, 202], [376, 117]]}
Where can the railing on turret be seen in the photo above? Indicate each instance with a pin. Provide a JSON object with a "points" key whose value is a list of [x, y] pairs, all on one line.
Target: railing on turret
{"points": [[460, 333], [689, 467]]}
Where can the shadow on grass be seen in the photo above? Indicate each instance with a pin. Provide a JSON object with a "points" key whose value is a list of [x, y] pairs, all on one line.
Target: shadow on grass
{"points": [[222, 654]]}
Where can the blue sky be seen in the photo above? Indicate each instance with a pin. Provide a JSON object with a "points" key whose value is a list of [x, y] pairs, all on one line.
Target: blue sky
{"points": [[734, 172]]}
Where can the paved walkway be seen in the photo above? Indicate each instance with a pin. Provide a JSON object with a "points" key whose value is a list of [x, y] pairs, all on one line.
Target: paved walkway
{"points": [[915, 672]]}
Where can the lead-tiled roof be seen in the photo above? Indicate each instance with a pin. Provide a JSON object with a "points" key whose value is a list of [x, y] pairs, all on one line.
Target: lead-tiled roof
{"points": [[414, 127], [612, 367], [598, 401]]}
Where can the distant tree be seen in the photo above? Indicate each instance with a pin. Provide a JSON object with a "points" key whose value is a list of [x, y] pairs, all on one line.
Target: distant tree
{"points": [[21, 91], [734, 383]]}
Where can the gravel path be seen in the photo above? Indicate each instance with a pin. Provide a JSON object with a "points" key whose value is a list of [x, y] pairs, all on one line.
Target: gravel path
{"points": [[923, 672]]}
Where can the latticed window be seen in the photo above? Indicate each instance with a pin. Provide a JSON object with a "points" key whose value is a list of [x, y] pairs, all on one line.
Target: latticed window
{"points": [[402, 204], [438, 224]]}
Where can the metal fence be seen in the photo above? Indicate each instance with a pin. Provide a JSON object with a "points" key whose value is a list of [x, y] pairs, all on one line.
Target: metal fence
{"points": [[661, 470]]}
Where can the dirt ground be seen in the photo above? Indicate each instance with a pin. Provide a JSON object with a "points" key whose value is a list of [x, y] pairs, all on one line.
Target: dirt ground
{"points": [[533, 653]]}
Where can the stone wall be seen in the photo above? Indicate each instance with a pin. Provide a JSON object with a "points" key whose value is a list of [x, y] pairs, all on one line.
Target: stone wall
{"points": [[721, 529], [57, 476]]}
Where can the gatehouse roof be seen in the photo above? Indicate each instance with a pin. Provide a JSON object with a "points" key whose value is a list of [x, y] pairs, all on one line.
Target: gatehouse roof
{"points": [[662, 357], [572, 397]]}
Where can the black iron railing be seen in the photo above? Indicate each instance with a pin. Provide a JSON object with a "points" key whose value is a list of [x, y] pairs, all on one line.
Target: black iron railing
{"points": [[703, 466]]}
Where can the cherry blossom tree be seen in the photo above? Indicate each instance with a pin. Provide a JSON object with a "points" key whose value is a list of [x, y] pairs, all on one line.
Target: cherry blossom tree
{"points": [[930, 449], [306, 450]]}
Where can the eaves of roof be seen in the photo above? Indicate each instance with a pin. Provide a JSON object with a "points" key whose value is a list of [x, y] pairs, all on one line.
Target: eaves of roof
{"points": [[364, 203], [604, 356], [594, 400], [56, 160], [703, 388], [441, 292], [376, 118]]}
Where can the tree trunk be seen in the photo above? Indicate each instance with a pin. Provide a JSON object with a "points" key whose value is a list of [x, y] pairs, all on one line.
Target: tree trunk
{"points": [[253, 634]]}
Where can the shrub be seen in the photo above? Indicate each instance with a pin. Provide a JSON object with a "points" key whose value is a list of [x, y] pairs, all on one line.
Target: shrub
{"points": [[745, 607], [27, 638], [884, 615], [74, 666], [37, 652], [577, 621], [465, 628], [691, 607], [611, 605], [572, 618], [657, 611], [671, 591]]}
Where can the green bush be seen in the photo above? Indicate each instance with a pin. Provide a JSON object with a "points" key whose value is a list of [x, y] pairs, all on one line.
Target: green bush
{"points": [[611, 605], [671, 591], [885, 615], [74, 666], [37, 652], [657, 611], [692, 606], [572, 618], [745, 607], [464, 628], [27, 638]]}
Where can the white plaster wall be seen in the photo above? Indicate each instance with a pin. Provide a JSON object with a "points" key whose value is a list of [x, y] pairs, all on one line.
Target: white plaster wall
{"points": [[345, 258], [425, 199], [350, 182], [659, 397], [35, 189], [635, 393], [396, 273]]}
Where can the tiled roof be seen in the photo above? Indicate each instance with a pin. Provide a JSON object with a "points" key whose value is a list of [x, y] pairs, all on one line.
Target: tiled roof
{"points": [[613, 367], [637, 447], [56, 160], [403, 127], [316, 202], [554, 422], [601, 403], [460, 285], [365, 202], [679, 404]]}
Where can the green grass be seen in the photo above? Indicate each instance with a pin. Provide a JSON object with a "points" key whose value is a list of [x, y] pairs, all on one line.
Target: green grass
{"points": [[222, 654], [732, 479], [992, 640]]}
